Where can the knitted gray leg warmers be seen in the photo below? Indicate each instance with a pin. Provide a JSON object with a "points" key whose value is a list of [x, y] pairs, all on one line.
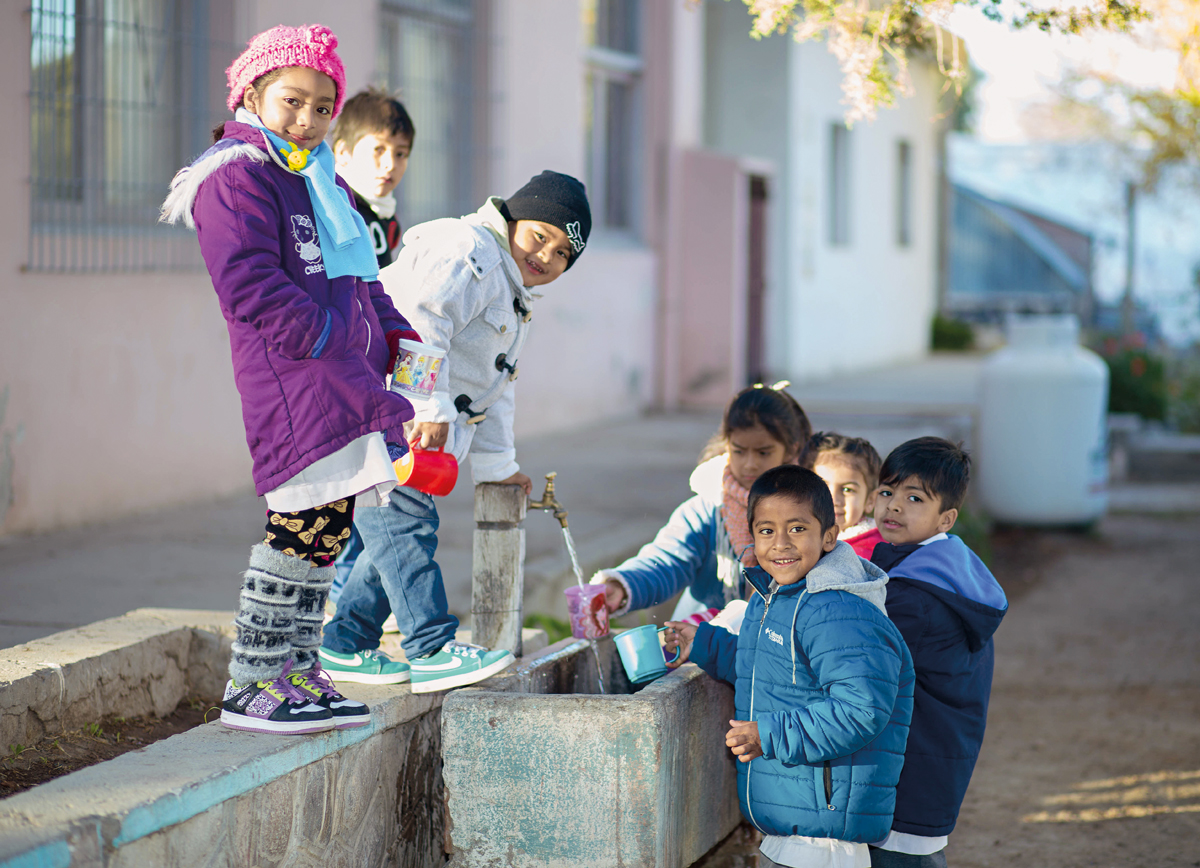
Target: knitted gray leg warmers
{"points": [[266, 621], [310, 615]]}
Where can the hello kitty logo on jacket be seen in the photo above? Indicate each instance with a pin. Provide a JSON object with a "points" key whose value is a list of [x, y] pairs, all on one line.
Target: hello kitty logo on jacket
{"points": [[307, 243]]}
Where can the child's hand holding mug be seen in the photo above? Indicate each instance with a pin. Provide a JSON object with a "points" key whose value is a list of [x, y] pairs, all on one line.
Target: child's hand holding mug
{"points": [[743, 740], [614, 594], [428, 435], [679, 638]]}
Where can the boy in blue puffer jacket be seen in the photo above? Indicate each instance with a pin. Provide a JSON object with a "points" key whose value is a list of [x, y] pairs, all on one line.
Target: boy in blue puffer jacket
{"points": [[947, 605], [823, 682]]}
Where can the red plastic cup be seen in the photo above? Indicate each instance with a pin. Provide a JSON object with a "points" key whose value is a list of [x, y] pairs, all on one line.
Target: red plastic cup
{"points": [[587, 610], [433, 471]]}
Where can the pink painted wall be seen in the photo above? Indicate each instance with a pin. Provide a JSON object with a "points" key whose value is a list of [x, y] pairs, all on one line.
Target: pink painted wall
{"points": [[707, 279], [116, 391]]}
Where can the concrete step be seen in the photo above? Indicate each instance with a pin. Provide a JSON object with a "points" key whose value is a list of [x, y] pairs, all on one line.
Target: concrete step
{"points": [[1164, 457]]}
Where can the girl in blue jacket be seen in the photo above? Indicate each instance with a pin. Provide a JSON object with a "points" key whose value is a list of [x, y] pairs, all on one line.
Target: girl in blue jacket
{"points": [[702, 548], [823, 683]]}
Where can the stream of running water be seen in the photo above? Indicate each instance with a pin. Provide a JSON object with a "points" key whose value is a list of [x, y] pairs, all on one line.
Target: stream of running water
{"points": [[579, 578]]}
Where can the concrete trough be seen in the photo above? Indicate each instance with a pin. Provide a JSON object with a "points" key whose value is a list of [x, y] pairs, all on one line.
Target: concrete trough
{"points": [[214, 796], [542, 769]]}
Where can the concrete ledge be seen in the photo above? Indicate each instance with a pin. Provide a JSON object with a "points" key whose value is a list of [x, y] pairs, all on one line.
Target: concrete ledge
{"points": [[542, 776], [1164, 498], [239, 798], [140, 663], [215, 796]]}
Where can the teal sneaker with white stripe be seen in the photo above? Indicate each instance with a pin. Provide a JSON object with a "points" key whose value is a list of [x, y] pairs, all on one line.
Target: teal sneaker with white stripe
{"points": [[456, 665], [363, 667]]}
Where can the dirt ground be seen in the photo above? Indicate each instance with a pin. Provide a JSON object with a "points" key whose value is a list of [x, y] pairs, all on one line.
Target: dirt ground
{"points": [[25, 766], [1092, 754]]}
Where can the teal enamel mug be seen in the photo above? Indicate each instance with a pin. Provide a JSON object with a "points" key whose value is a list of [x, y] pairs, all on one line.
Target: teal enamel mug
{"points": [[642, 653]]}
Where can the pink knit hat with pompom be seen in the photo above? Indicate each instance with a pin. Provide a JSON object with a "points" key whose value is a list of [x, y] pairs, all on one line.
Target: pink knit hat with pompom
{"points": [[310, 45]]}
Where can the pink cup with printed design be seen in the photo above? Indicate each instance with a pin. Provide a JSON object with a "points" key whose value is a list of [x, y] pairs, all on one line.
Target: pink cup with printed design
{"points": [[587, 610]]}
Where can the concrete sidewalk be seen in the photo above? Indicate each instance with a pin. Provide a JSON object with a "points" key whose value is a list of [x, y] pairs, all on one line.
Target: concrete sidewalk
{"points": [[619, 483]]}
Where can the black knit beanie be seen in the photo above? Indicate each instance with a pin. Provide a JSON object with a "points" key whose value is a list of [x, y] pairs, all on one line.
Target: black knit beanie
{"points": [[557, 199]]}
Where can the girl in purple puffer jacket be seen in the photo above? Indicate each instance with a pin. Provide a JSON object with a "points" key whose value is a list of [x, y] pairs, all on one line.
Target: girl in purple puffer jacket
{"points": [[313, 336]]}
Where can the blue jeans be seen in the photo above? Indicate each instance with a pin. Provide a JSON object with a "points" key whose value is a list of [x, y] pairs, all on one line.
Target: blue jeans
{"points": [[345, 563], [395, 573]]}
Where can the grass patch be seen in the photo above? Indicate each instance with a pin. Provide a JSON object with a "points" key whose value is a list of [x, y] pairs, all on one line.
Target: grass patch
{"points": [[556, 629]]}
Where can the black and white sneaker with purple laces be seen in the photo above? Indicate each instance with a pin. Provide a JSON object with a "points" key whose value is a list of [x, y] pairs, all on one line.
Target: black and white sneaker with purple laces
{"points": [[276, 706], [318, 686]]}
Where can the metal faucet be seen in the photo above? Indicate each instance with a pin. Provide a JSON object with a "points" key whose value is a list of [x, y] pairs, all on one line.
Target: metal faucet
{"points": [[549, 502]]}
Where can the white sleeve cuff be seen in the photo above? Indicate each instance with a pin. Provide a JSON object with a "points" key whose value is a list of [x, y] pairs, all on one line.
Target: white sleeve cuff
{"points": [[603, 575], [493, 466], [436, 408]]}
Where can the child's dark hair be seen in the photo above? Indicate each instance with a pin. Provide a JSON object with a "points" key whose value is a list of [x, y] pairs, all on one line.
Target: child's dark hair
{"points": [[259, 84], [797, 484], [772, 408], [944, 468], [372, 111], [857, 449]]}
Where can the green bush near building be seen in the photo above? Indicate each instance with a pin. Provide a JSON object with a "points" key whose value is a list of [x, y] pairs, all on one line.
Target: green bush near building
{"points": [[951, 334], [1137, 383]]}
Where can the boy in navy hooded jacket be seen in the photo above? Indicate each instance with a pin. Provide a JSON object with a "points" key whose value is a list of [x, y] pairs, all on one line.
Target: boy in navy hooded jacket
{"points": [[947, 605]]}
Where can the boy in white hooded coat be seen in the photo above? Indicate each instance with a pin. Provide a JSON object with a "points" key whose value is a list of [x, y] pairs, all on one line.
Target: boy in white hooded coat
{"points": [[465, 285]]}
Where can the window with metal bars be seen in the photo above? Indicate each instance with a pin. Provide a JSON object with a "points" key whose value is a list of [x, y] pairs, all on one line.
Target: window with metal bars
{"points": [[123, 93], [612, 30], [428, 54]]}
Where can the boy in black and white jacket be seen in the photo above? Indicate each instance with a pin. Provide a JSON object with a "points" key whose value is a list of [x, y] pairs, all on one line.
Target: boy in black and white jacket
{"points": [[371, 146]]}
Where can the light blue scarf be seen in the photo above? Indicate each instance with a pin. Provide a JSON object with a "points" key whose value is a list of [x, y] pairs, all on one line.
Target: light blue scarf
{"points": [[346, 247]]}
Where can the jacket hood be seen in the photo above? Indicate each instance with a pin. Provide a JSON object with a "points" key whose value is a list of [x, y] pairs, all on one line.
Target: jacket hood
{"points": [[489, 217], [240, 142], [486, 229], [707, 480], [954, 574], [839, 570]]}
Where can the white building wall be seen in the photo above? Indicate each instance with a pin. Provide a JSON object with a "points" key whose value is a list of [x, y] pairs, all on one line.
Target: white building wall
{"points": [[869, 303]]}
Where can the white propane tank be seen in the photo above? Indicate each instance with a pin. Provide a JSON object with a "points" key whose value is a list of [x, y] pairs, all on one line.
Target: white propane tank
{"points": [[1043, 443]]}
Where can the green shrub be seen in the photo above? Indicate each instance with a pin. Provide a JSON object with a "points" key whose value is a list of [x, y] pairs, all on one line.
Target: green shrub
{"points": [[555, 629], [951, 334], [1183, 395], [1137, 383]]}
